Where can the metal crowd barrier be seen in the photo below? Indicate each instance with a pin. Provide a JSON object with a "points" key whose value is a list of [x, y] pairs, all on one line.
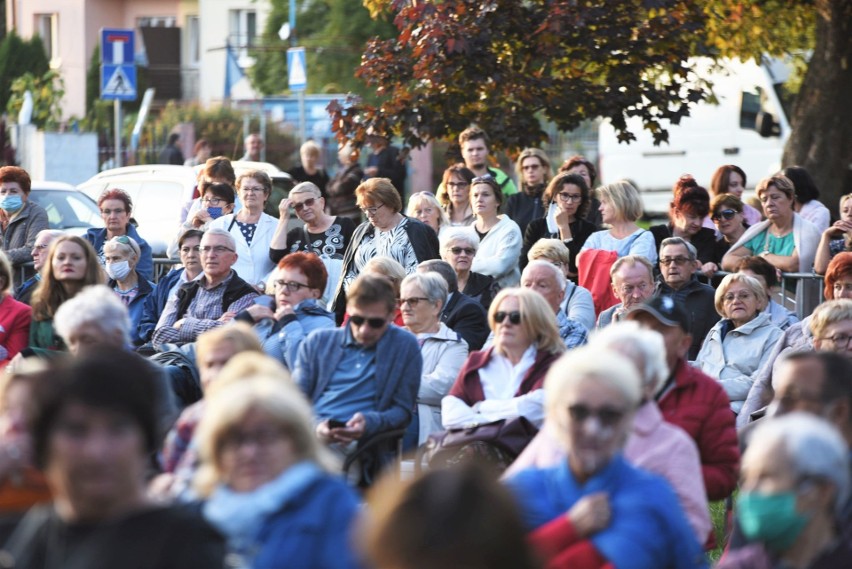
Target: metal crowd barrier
{"points": [[786, 295], [161, 267]]}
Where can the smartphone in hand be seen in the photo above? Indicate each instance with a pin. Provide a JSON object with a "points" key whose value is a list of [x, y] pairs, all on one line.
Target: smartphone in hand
{"points": [[335, 424]]}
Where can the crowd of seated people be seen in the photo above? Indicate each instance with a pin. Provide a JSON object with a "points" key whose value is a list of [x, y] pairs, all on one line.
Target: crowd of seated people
{"points": [[620, 378]]}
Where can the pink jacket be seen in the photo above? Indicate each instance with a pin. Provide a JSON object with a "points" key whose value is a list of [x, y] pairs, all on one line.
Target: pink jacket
{"points": [[654, 445]]}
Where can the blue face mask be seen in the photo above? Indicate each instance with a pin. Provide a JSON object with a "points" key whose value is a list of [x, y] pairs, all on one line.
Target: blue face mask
{"points": [[770, 518], [215, 212], [11, 203]]}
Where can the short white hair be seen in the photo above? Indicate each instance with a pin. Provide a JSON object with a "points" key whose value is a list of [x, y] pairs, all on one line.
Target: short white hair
{"points": [[97, 305], [554, 270], [450, 235], [814, 447], [646, 348], [232, 243]]}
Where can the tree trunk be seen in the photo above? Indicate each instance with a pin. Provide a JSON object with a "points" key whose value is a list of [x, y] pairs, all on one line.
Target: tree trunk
{"points": [[821, 138]]}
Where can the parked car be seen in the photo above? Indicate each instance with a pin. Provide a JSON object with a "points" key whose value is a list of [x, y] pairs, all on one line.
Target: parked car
{"points": [[67, 208], [158, 192]]}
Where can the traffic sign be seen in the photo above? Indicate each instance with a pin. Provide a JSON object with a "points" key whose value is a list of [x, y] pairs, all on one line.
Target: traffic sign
{"points": [[297, 73], [118, 82], [117, 46]]}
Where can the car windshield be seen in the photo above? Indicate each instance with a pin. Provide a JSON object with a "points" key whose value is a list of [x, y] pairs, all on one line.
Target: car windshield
{"points": [[68, 210]]}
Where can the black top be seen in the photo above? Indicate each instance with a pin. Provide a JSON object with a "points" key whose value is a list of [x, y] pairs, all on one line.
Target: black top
{"points": [[319, 178], [481, 288], [522, 208], [330, 243], [581, 229], [704, 242], [341, 191], [165, 538]]}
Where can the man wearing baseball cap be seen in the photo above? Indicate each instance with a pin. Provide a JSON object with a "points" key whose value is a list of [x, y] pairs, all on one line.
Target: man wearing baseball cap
{"points": [[692, 400]]}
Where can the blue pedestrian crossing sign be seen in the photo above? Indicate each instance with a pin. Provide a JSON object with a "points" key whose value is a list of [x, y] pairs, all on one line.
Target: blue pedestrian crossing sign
{"points": [[118, 69], [296, 70]]}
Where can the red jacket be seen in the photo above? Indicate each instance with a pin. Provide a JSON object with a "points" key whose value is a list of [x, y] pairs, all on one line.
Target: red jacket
{"points": [[697, 404], [559, 545], [15, 318], [468, 388]]}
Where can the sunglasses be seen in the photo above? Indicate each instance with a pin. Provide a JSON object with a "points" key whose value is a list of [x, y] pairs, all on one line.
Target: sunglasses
{"points": [[514, 317], [727, 214], [307, 203], [606, 416], [469, 251], [359, 320]]}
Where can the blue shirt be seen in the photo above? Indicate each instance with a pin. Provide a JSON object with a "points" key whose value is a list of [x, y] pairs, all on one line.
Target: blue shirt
{"points": [[648, 529], [352, 387]]}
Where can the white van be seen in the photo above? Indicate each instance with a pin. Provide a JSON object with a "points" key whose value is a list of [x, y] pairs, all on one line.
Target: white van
{"points": [[747, 127]]}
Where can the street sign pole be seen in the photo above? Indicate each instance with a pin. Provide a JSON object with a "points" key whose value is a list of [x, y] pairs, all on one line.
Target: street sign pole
{"points": [[298, 81], [117, 105], [118, 75]]}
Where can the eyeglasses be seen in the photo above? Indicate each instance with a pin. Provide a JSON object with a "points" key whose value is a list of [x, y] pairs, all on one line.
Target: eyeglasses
{"points": [[457, 184], [413, 301], [606, 416], [262, 439], [291, 286], [743, 295], [117, 211], [359, 320], [218, 249], [188, 250], [307, 203], [212, 201], [565, 196], [469, 251], [530, 166], [372, 210], [514, 317], [666, 261], [252, 189], [727, 214], [839, 339], [627, 290]]}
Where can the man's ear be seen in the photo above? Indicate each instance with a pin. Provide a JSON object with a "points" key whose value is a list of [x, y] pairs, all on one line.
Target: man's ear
{"points": [[685, 344]]}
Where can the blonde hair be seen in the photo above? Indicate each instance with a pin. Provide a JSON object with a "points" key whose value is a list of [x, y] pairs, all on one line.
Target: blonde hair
{"points": [[229, 405], [388, 268], [6, 272], [550, 249], [644, 347], [830, 312], [247, 364], [542, 158], [537, 319], [782, 183], [420, 197], [624, 198], [239, 334], [753, 285]]}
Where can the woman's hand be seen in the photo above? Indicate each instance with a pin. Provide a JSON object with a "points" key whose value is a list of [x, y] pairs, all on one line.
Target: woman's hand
{"points": [[200, 217], [709, 269], [283, 311], [590, 514], [259, 312], [838, 228], [284, 210]]}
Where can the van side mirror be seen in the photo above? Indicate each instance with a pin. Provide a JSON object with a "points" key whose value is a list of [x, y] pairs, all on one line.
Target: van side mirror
{"points": [[766, 125]]}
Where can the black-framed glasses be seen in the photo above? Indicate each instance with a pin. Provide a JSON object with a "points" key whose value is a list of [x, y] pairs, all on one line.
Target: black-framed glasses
{"points": [[413, 301], [372, 210], [607, 416], [839, 339], [514, 317], [727, 214], [290, 286], [218, 249], [565, 196], [666, 261], [457, 184], [212, 201], [307, 203], [469, 251], [359, 320]]}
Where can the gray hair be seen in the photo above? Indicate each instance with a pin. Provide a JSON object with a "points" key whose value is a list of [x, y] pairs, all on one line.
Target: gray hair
{"points": [[52, 233], [554, 270], [644, 347], [432, 284], [450, 235], [306, 188], [97, 305], [444, 269], [691, 251], [222, 233], [131, 248], [814, 447]]}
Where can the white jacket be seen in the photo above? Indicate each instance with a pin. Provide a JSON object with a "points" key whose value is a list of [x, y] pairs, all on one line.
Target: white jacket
{"points": [[735, 361], [499, 252], [444, 354], [253, 263]]}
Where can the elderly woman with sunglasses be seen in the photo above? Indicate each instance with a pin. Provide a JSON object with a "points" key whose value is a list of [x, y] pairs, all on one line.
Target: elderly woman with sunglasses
{"points": [[422, 298], [458, 248], [500, 238], [425, 207], [738, 346], [322, 234], [387, 232], [505, 380], [594, 508], [121, 255]]}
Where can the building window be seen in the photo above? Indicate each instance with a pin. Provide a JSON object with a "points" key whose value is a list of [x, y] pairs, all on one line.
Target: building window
{"points": [[156, 22], [47, 27], [243, 32], [193, 40]]}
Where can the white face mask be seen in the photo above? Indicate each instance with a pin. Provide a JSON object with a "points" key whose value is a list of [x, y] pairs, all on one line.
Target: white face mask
{"points": [[117, 271]]}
